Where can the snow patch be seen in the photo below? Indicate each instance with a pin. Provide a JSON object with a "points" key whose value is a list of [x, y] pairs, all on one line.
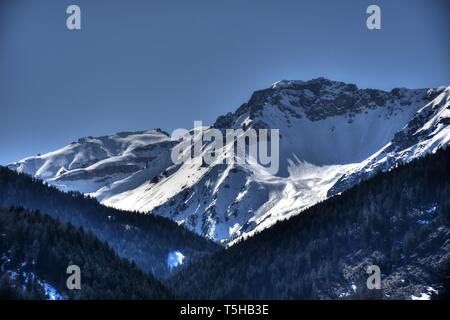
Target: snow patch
{"points": [[423, 296], [175, 259], [50, 291]]}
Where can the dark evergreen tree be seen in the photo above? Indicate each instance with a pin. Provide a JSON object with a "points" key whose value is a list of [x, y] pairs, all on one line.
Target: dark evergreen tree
{"points": [[36, 250], [398, 220], [145, 239]]}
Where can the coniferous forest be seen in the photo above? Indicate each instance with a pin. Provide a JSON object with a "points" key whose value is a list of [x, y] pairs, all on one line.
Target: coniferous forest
{"points": [[398, 220], [36, 251], [144, 239]]}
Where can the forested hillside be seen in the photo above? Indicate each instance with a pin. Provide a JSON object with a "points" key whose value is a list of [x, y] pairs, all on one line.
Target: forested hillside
{"points": [[35, 251], [145, 239], [399, 220]]}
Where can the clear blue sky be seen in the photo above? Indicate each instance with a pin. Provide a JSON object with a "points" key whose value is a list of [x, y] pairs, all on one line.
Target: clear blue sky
{"points": [[144, 64]]}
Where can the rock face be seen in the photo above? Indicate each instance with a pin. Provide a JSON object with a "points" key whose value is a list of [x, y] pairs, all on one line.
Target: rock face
{"points": [[427, 132], [320, 98], [332, 135]]}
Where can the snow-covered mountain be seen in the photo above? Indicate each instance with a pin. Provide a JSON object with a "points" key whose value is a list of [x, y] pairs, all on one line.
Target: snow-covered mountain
{"points": [[332, 134], [102, 166], [428, 131]]}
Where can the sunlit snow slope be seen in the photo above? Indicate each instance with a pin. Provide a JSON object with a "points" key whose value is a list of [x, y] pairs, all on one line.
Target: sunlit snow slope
{"points": [[103, 166]]}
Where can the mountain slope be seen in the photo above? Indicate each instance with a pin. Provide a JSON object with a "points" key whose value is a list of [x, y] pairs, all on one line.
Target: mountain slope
{"points": [[102, 166], [36, 250], [399, 220], [326, 129], [428, 131], [146, 240], [330, 134]]}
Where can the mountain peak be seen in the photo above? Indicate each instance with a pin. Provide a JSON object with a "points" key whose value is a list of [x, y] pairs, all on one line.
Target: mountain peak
{"points": [[322, 98], [285, 83], [158, 132], [320, 82]]}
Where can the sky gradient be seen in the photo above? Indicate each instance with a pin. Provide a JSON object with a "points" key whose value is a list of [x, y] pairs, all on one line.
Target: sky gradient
{"points": [[138, 65]]}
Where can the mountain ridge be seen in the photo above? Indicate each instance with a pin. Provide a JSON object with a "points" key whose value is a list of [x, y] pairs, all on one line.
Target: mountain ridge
{"points": [[327, 130]]}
